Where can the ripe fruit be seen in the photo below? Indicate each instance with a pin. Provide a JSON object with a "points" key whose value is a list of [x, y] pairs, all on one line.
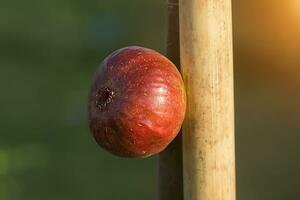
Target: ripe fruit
{"points": [[137, 102]]}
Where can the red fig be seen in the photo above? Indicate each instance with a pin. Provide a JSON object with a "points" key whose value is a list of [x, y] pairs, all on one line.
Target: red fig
{"points": [[137, 102]]}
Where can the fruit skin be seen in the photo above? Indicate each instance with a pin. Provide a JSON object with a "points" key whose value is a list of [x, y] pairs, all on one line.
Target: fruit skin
{"points": [[137, 102]]}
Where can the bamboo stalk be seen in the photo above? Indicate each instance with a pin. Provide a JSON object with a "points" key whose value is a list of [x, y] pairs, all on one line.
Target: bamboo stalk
{"points": [[207, 67], [170, 180]]}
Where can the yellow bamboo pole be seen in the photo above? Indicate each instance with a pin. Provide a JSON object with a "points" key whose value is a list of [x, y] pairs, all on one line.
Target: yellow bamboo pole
{"points": [[207, 67]]}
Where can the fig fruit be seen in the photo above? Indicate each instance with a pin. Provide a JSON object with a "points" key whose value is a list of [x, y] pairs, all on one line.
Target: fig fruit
{"points": [[137, 102]]}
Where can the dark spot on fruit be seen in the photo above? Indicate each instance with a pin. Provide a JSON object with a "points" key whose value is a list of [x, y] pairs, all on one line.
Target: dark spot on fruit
{"points": [[103, 97]]}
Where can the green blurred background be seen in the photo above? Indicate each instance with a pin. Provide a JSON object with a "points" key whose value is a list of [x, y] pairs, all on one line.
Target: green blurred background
{"points": [[49, 51]]}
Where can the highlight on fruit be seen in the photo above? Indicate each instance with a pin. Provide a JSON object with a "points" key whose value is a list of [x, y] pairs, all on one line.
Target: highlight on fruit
{"points": [[137, 102]]}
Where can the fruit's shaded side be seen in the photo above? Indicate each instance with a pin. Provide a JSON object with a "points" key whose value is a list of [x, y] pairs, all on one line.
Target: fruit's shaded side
{"points": [[137, 102]]}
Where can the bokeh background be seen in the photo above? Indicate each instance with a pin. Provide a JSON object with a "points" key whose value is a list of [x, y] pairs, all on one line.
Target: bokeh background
{"points": [[49, 51]]}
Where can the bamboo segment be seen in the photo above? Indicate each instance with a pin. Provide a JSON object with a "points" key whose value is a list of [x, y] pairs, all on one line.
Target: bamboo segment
{"points": [[207, 67], [170, 181]]}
